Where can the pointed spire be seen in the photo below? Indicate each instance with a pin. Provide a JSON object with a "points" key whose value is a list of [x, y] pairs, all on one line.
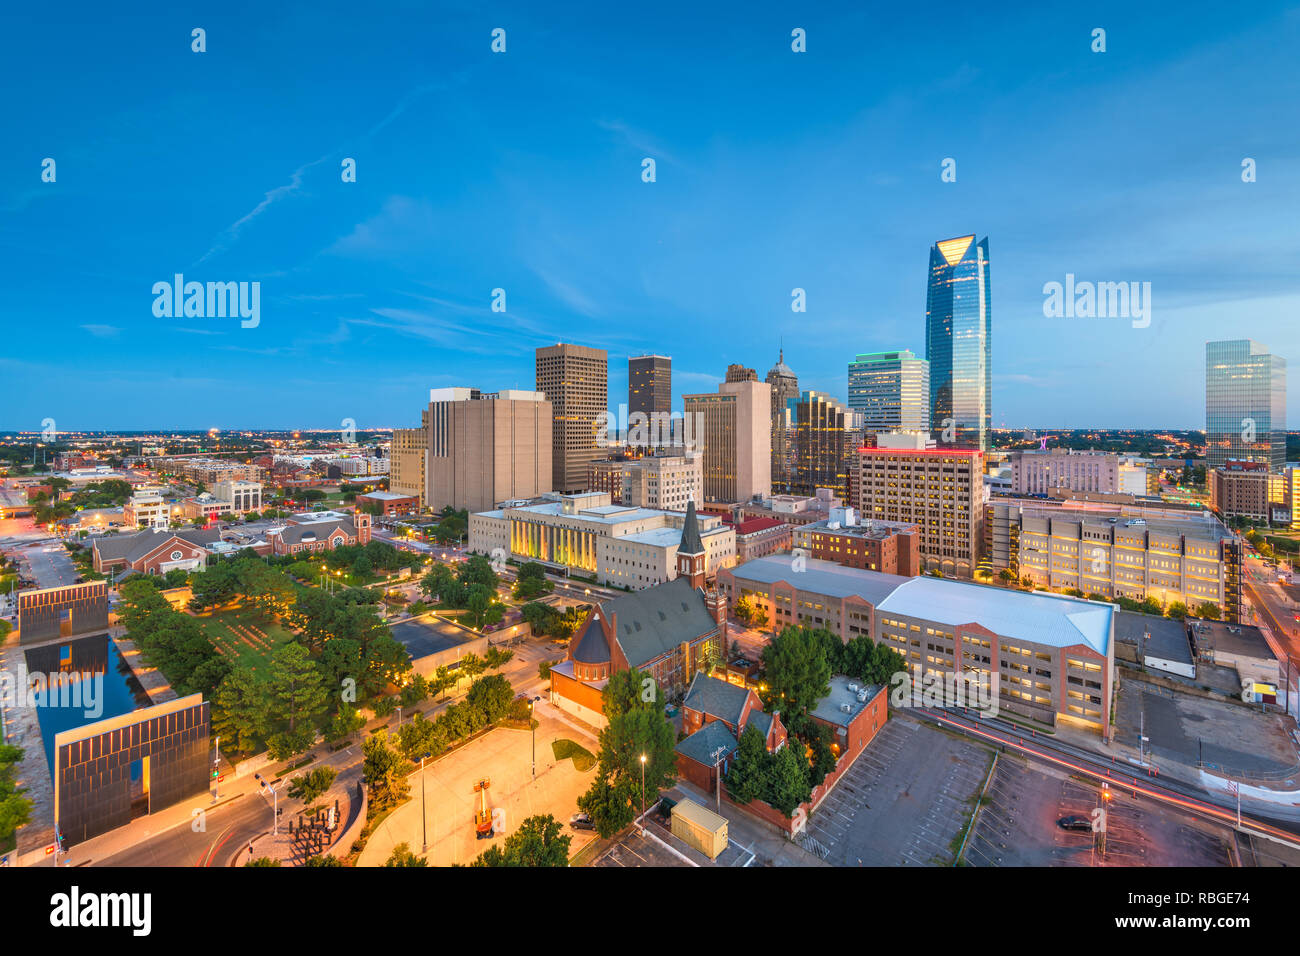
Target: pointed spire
{"points": [[691, 543]]}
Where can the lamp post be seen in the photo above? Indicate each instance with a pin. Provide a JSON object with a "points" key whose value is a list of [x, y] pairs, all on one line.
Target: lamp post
{"points": [[275, 802], [643, 794], [532, 725], [424, 816]]}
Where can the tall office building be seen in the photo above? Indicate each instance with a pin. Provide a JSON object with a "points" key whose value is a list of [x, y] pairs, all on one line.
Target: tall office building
{"points": [[891, 390], [785, 386], [482, 448], [733, 429], [958, 336], [1245, 404], [575, 380], [407, 469], [650, 384], [825, 443], [940, 490], [739, 373]]}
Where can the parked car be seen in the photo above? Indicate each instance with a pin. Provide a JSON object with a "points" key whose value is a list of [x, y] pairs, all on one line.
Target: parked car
{"points": [[581, 821], [1077, 824]]}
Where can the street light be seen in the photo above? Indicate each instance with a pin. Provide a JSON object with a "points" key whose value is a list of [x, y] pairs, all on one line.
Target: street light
{"points": [[533, 727], [275, 802], [643, 794]]}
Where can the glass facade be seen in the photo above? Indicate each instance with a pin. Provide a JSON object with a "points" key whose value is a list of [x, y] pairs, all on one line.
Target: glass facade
{"points": [[891, 390], [1245, 404], [958, 342], [825, 442]]}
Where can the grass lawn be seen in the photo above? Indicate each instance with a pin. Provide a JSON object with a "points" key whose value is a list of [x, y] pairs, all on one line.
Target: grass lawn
{"points": [[583, 759], [244, 635]]}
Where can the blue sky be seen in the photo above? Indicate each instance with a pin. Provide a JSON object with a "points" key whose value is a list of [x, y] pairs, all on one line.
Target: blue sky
{"points": [[522, 171]]}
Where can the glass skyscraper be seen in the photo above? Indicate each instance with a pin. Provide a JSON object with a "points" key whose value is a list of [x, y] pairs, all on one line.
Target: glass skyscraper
{"points": [[891, 390], [1245, 404], [958, 343]]}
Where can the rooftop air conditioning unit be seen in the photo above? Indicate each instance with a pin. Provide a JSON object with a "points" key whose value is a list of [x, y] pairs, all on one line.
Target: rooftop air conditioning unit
{"points": [[847, 708], [862, 695], [833, 525], [853, 687]]}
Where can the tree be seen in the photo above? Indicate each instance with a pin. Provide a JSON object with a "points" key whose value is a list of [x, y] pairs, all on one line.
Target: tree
{"points": [[788, 784], [311, 786], [496, 658], [402, 856], [1007, 576], [346, 722], [15, 806], [796, 671], [746, 777], [491, 697], [1208, 611], [321, 860], [609, 803], [382, 768], [539, 841], [241, 710], [1177, 610], [296, 688], [478, 570]]}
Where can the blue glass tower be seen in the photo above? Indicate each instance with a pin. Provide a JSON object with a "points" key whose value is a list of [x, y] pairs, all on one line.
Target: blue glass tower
{"points": [[958, 343]]}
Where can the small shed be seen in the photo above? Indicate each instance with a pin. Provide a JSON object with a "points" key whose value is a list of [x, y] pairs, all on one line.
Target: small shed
{"points": [[700, 828]]}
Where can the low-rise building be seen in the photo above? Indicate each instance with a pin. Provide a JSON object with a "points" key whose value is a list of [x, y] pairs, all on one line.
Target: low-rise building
{"points": [[893, 547], [714, 715], [152, 551], [616, 544], [756, 537], [670, 631], [324, 531], [1046, 656], [1117, 552], [391, 504]]}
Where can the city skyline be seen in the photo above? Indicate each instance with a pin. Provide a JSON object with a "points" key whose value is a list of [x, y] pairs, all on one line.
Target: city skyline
{"points": [[396, 272]]}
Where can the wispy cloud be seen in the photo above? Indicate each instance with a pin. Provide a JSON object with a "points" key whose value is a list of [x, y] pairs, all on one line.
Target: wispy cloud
{"points": [[101, 331], [231, 233]]}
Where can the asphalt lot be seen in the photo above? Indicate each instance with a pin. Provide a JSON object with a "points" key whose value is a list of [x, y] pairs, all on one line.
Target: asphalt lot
{"points": [[1017, 826], [1181, 727], [905, 799]]}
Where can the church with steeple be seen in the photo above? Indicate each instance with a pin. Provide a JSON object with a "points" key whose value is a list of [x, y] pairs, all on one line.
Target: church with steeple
{"points": [[671, 631]]}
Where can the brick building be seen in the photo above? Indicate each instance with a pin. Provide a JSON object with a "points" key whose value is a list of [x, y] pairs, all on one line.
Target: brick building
{"points": [[670, 630], [893, 547], [714, 715]]}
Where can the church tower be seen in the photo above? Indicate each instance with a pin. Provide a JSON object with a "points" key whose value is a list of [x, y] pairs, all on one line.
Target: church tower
{"points": [[690, 553]]}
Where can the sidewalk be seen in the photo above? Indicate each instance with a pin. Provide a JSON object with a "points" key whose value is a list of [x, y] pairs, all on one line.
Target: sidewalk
{"points": [[186, 812]]}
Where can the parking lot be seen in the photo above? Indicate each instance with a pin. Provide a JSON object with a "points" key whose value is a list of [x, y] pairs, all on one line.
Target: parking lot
{"points": [[1183, 728], [1017, 825], [903, 803]]}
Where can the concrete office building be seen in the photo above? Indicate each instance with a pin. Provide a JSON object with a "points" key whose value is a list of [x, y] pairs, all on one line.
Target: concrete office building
{"points": [[958, 342], [650, 384], [615, 544], [733, 429], [785, 386], [739, 373], [406, 474], [1113, 552], [486, 447], [891, 390], [575, 380], [1038, 472], [941, 491], [1245, 404], [1054, 656], [662, 482]]}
